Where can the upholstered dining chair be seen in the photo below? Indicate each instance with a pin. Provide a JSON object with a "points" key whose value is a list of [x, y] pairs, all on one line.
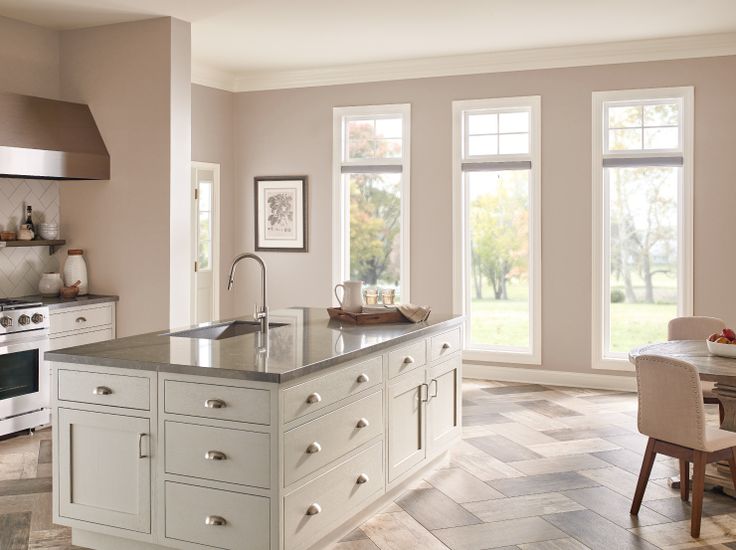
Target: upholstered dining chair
{"points": [[672, 415], [698, 328]]}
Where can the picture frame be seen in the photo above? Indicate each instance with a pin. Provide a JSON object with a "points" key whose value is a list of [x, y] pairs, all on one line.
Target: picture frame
{"points": [[280, 204]]}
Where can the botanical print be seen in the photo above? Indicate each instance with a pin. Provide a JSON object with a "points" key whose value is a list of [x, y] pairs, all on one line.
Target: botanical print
{"points": [[280, 206]]}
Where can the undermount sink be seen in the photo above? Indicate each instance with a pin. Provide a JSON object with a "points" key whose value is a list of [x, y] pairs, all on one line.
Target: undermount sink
{"points": [[223, 330]]}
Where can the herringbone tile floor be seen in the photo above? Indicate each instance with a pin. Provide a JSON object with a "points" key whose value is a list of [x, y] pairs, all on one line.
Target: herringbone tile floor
{"points": [[539, 468]]}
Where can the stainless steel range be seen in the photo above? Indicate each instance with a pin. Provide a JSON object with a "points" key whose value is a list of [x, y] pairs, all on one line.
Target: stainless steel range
{"points": [[24, 375]]}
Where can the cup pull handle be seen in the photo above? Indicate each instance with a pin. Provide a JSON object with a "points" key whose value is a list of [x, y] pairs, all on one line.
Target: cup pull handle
{"points": [[363, 423], [446, 345], [80, 320], [215, 520], [215, 455], [314, 509], [102, 390], [362, 478], [314, 398], [363, 378], [214, 404], [314, 448], [408, 360]]}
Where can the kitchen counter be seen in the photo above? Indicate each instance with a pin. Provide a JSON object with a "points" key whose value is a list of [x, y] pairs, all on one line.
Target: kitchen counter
{"points": [[56, 302], [309, 342]]}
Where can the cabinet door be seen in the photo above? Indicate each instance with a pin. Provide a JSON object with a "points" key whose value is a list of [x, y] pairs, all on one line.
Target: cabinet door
{"points": [[105, 475], [444, 422], [406, 423]]}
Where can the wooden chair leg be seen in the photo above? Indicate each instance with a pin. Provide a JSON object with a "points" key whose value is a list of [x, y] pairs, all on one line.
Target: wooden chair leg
{"points": [[732, 464], [721, 412], [684, 479], [698, 489], [646, 470]]}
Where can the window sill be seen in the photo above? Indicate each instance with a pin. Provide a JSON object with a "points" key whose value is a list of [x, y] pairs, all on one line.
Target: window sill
{"points": [[512, 357]]}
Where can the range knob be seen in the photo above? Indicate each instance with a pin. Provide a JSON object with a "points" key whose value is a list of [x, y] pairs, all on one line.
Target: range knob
{"points": [[37, 318], [24, 320], [6, 322]]}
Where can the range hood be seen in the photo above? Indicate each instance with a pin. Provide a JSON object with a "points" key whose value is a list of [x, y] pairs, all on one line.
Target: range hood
{"points": [[49, 139]]}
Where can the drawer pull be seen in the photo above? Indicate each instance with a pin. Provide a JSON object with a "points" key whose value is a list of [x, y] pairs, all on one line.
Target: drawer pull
{"points": [[214, 404], [436, 388], [363, 378], [215, 520], [140, 442], [362, 478], [363, 423], [314, 398], [314, 448], [81, 320], [408, 360], [214, 455], [102, 390], [446, 345], [314, 509]]}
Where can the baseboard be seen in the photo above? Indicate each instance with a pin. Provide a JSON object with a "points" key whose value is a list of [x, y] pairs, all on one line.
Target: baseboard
{"points": [[549, 377]]}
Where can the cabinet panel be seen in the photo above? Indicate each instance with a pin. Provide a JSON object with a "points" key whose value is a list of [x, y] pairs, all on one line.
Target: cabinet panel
{"points": [[80, 319], [445, 343], [81, 339], [250, 405], [104, 468], [408, 358], [406, 423], [98, 388], [444, 405]]}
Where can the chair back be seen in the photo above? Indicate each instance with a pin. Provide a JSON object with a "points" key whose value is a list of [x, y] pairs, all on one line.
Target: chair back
{"points": [[670, 401], [693, 328]]}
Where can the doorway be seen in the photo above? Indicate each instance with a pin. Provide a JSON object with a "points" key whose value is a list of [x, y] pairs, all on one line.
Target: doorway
{"points": [[206, 241]]}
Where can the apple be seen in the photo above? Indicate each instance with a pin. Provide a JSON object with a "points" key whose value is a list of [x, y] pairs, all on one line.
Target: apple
{"points": [[730, 334], [713, 337]]}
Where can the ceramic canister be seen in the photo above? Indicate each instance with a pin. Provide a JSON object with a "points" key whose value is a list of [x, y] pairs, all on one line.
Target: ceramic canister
{"points": [[50, 284], [75, 269]]}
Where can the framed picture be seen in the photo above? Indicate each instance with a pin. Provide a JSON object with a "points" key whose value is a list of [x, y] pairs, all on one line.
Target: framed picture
{"points": [[281, 213]]}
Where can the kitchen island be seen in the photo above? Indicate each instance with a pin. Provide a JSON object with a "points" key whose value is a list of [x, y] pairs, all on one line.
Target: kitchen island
{"points": [[212, 437]]}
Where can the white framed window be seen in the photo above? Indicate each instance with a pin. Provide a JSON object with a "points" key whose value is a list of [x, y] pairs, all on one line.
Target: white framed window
{"points": [[497, 227], [642, 218], [371, 181]]}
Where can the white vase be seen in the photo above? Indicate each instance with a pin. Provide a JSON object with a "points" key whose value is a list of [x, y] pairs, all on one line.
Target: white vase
{"points": [[75, 269], [50, 284]]}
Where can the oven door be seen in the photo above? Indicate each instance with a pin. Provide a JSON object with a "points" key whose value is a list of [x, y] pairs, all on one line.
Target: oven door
{"points": [[24, 375]]}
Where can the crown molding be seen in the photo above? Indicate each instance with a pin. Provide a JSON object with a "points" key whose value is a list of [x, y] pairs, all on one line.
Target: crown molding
{"points": [[607, 53]]}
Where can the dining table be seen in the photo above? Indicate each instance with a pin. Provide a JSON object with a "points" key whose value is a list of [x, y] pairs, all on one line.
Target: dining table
{"points": [[711, 368]]}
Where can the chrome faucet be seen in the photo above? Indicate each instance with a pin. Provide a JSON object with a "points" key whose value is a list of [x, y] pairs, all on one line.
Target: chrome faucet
{"points": [[259, 314]]}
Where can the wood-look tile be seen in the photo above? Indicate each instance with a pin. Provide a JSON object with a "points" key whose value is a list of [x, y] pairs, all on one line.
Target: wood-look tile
{"points": [[580, 446], [462, 486], [498, 534], [535, 420], [360, 544], [631, 462], [484, 419], [614, 507], [548, 408], [559, 464], [624, 483], [543, 483], [502, 448], [510, 390], [522, 507], [14, 531], [677, 510], [400, 531], [52, 539], [17, 465], [570, 434], [632, 442], [596, 532], [355, 534], [435, 510], [559, 544], [480, 464], [521, 434], [715, 529], [44, 452], [25, 486]]}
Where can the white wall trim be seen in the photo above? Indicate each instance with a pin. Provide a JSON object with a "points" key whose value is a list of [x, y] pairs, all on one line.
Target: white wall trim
{"points": [[550, 378], [605, 53]]}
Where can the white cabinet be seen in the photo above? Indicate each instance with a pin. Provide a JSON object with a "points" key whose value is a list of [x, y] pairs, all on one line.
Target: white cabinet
{"points": [[444, 404], [406, 423], [81, 325], [105, 469]]}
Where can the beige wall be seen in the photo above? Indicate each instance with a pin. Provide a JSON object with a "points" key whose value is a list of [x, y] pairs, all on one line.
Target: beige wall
{"points": [[290, 132], [29, 59], [212, 141], [124, 73]]}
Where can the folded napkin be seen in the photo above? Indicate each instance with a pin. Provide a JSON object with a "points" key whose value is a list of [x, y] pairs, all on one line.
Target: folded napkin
{"points": [[415, 313]]}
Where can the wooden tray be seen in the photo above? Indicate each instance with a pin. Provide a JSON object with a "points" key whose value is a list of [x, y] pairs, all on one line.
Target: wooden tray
{"points": [[372, 318]]}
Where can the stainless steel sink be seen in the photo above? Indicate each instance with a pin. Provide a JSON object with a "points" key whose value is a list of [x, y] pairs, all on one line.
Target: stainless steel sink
{"points": [[223, 330]]}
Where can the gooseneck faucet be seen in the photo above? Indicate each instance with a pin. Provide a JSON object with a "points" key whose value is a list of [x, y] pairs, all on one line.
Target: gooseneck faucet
{"points": [[259, 314]]}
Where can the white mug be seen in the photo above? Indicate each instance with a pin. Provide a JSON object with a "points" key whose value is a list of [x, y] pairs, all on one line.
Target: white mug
{"points": [[352, 296]]}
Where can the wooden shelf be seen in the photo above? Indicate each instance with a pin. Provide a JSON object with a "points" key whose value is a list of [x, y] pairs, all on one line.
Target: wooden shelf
{"points": [[38, 242]]}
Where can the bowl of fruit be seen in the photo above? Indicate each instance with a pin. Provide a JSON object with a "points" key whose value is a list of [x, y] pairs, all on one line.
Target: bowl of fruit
{"points": [[722, 343]]}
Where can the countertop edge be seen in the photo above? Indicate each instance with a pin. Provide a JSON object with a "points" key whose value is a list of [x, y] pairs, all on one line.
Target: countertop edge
{"points": [[57, 303], [277, 378]]}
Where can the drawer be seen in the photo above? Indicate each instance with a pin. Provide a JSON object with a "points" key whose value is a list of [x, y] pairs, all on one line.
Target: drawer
{"points": [[319, 442], [333, 496], [219, 402], [321, 392], [82, 339], [222, 454], [115, 390], [445, 344], [212, 517], [407, 358], [80, 319]]}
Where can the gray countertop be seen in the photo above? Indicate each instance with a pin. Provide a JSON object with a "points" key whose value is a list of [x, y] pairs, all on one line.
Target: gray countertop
{"points": [[60, 303], [309, 342]]}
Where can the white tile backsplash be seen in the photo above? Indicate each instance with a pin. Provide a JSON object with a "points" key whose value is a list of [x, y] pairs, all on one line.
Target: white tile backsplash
{"points": [[21, 268]]}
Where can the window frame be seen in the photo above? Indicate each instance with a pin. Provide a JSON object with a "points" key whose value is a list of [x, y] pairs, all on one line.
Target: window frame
{"points": [[340, 199], [461, 257], [600, 230]]}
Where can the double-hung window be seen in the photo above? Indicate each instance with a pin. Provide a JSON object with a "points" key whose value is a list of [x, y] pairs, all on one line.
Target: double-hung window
{"points": [[371, 196], [642, 218], [497, 275]]}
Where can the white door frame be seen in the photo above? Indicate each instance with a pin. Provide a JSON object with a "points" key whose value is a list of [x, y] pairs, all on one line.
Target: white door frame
{"points": [[215, 168]]}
